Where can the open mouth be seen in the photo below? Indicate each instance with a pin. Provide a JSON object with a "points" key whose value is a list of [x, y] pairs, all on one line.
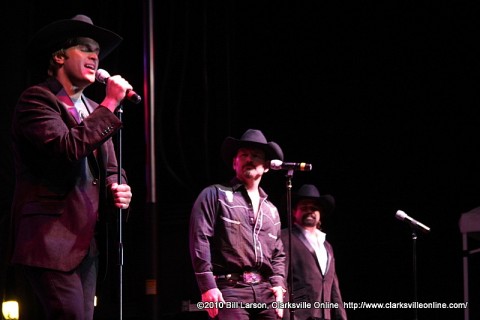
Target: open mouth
{"points": [[90, 66]]}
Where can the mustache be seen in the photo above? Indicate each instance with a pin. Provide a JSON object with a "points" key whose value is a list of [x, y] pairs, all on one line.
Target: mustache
{"points": [[309, 214]]}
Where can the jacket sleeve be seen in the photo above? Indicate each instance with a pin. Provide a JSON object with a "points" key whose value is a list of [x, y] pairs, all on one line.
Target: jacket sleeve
{"points": [[336, 296], [42, 120]]}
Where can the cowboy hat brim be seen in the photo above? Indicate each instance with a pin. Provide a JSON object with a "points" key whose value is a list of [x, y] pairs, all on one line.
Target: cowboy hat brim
{"points": [[231, 145], [51, 37], [252, 138], [325, 202]]}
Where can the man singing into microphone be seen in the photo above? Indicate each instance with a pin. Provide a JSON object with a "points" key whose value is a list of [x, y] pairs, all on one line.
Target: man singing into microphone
{"points": [[235, 242], [66, 169]]}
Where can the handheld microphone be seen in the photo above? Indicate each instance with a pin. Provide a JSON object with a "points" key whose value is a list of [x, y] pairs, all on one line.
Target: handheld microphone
{"points": [[102, 76], [400, 215], [296, 166]]}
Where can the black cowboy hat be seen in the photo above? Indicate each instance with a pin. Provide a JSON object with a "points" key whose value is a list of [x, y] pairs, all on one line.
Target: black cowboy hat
{"points": [[309, 191], [54, 35], [252, 138]]}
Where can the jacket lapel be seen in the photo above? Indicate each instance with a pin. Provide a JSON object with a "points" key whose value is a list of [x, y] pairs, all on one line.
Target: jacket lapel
{"points": [[301, 236]]}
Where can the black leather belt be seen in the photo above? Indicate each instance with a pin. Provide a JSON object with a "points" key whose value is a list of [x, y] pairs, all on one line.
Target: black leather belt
{"points": [[249, 277]]}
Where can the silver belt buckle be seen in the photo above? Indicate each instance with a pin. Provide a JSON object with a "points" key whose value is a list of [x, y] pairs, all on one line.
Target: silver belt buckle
{"points": [[251, 277]]}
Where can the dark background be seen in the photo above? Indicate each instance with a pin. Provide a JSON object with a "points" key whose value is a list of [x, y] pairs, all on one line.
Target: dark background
{"points": [[380, 96]]}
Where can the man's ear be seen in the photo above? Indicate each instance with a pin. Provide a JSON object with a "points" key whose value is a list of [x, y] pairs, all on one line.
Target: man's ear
{"points": [[58, 58]]}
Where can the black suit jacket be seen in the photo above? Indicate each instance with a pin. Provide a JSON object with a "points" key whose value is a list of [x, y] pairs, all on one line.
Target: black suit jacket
{"points": [[60, 184], [309, 284]]}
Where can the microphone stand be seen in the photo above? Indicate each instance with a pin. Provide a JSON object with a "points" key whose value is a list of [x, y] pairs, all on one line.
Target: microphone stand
{"points": [[414, 260], [120, 212], [289, 222]]}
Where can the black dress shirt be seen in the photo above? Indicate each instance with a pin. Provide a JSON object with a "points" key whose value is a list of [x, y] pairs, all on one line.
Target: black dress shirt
{"points": [[226, 238]]}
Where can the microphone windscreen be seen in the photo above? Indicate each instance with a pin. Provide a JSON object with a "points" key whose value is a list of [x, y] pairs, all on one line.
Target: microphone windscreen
{"points": [[102, 75], [276, 164], [400, 215]]}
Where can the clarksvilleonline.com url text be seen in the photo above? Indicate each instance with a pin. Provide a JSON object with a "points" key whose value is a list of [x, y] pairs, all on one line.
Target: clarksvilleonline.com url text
{"points": [[405, 305]]}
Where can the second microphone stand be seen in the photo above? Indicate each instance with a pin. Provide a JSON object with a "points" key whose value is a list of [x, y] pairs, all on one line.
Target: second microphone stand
{"points": [[414, 263], [289, 223]]}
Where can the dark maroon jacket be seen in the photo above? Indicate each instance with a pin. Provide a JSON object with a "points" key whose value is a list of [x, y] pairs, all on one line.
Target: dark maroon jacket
{"points": [[60, 181]]}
